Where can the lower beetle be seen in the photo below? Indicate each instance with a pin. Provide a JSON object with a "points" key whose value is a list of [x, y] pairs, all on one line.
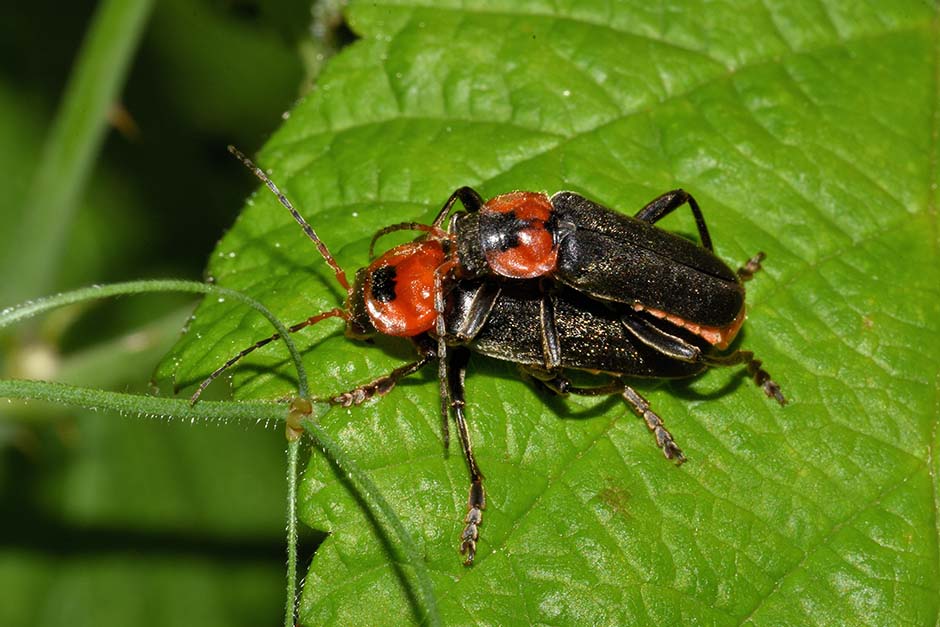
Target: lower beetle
{"points": [[417, 291], [549, 332]]}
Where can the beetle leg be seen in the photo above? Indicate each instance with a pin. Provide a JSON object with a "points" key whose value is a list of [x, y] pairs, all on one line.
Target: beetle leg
{"points": [[444, 392], [469, 197], [549, 380], [761, 377], [462, 330], [551, 344], [662, 206], [404, 226], [440, 329], [471, 200], [477, 312], [677, 348], [476, 501], [747, 271], [665, 343], [640, 406], [312, 320], [382, 385]]}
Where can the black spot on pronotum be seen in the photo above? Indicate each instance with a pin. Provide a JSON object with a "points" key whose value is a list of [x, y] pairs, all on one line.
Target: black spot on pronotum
{"points": [[500, 231], [383, 284]]}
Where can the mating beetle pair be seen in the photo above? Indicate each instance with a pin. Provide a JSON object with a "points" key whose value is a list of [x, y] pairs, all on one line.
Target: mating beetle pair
{"points": [[551, 284]]}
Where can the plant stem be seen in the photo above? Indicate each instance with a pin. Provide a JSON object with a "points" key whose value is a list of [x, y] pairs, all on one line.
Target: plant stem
{"points": [[139, 405], [373, 496], [12, 315], [132, 404], [293, 455]]}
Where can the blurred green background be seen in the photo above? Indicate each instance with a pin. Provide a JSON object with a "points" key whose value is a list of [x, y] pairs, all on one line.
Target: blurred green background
{"points": [[105, 520]]}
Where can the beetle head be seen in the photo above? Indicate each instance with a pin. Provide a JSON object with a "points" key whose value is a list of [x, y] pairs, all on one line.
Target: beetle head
{"points": [[394, 295]]}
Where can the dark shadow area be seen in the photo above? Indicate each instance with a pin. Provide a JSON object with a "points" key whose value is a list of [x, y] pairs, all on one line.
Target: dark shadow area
{"points": [[563, 407], [682, 387]]}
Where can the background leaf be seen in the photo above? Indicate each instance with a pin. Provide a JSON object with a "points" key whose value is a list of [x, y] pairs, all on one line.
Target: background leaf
{"points": [[807, 130]]}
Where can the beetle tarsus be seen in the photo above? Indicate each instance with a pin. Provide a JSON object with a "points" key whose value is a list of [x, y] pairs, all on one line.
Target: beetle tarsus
{"points": [[476, 502], [772, 390], [762, 379], [559, 384], [760, 376], [749, 269], [664, 440], [380, 386]]}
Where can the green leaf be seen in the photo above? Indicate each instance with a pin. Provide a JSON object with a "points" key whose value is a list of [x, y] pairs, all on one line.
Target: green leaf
{"points": [[808, 131]]}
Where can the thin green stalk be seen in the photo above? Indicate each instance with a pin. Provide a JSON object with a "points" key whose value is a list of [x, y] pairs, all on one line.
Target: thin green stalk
{"points": [[376, 501], [71, 148], [153, 406], [88, 397], [139, 405], [12, 315], [293, 455]]}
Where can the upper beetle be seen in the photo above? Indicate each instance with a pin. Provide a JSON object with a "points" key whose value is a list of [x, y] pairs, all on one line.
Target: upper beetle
{"points": [[600, 252]]}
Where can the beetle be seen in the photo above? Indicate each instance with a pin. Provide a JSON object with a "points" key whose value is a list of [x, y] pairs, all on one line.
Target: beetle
{"points": [[603, 253], [546, 324]]}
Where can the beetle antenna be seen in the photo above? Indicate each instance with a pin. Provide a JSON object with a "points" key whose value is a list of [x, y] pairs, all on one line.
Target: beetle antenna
{"points": [[312, 320], [340, 274]]}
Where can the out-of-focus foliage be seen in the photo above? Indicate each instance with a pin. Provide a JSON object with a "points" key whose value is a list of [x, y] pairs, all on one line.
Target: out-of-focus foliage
{"points": [[115, 521]]}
